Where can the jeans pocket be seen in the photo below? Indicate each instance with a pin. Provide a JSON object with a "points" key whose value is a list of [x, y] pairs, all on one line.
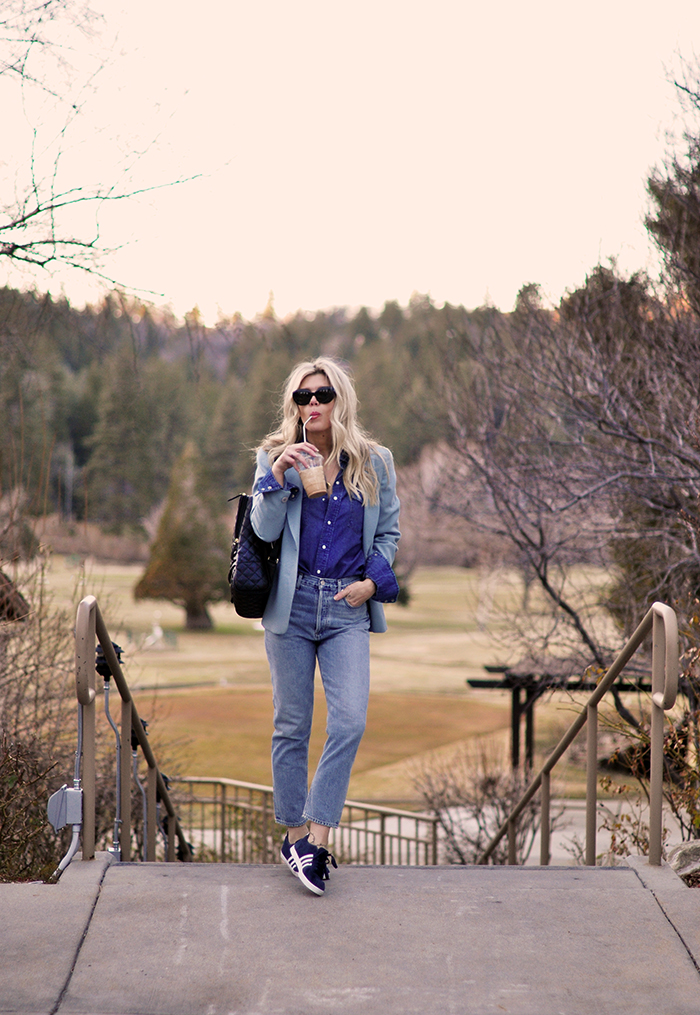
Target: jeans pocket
{"points": [[354, 609]]}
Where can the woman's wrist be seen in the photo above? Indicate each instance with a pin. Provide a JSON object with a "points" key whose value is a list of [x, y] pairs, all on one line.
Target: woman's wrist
{"points": [[369, 588]]}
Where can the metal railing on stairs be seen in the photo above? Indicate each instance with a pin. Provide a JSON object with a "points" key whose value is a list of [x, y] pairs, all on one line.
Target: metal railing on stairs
{"points": [[76, 806], [220, 820], [229, 821], [661, 623]]}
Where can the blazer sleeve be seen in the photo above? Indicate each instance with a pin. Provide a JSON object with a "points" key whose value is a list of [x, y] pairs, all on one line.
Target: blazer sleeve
{"points": [[270, 500], [386, 537]]}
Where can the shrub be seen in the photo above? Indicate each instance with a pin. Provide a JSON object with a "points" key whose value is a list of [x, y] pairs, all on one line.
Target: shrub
{"points": [[471, 793]]}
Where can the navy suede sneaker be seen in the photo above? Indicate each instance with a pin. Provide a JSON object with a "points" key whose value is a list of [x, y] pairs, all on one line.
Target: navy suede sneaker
{"points": [[286, 854], [312, 864]]}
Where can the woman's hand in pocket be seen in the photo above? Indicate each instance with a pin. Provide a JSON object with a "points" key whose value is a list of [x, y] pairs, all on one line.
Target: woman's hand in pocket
{"points": [[357, 593]]}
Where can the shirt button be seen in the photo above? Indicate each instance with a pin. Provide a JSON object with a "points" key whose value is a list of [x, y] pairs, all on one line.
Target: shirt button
{"points": [[328, 523], [335, 498], [323, 547], [318, 572]]}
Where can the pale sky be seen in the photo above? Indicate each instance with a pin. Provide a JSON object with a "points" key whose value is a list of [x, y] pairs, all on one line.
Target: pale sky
{"points": [[358, 153]]}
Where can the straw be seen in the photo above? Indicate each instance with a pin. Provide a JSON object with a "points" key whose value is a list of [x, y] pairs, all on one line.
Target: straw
{"points": [[303, 431]]}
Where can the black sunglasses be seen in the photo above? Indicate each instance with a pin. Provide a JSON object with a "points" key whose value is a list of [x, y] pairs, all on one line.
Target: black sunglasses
{"points": [[302, 396]]}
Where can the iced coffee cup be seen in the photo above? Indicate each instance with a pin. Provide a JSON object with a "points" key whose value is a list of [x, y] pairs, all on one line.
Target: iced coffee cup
{"points": [[310, 468]]}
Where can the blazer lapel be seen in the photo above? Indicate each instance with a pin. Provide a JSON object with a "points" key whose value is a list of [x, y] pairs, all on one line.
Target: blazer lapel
{"points": [[369, 527], [294, 503]]}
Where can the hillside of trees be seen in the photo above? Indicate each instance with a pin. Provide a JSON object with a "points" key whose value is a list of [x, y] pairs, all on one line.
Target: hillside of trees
{"points": [[97, 404]]}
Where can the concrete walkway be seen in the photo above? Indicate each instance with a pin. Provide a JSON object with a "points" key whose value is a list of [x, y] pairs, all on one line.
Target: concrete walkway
{"points": [[185, 939]]}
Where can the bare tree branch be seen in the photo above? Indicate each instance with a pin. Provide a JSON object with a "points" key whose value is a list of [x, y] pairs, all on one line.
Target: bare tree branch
{"points": [[43, 50], [574, 435]]}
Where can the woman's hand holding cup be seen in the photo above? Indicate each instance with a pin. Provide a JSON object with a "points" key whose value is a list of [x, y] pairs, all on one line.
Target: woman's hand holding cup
{"points": [[313, 478], [307, 460]]}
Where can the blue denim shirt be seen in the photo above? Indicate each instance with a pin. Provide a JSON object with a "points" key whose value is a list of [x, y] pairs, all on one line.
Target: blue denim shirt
{"points": [[330, 538], [376, 555]]}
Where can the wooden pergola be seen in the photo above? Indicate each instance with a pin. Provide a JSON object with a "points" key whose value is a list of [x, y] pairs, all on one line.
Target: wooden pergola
{"points": [[528, 680]]}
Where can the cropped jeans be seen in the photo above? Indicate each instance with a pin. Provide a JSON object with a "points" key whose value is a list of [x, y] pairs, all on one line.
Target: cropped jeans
{"points": [[336, 634]]}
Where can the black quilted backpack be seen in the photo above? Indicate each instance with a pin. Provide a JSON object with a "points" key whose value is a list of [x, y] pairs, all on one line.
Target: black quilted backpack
{"points": [[253, 564]]}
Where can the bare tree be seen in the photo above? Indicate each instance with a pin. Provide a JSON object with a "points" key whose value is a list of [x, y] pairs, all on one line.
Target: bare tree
{"points": [[51, 56], [471, 793], [574, 438], [579, 444]]}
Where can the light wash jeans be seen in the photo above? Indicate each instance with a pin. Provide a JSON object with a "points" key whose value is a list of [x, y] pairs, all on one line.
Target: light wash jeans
{"points": [[338, 636]]}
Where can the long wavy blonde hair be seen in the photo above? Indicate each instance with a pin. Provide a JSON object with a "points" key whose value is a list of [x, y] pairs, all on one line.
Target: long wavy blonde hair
{"points": [[347, 434]]}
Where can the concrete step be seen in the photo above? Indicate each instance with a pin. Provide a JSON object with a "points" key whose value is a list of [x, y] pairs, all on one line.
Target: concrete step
{"points": [[250, 940], [41, 931]]}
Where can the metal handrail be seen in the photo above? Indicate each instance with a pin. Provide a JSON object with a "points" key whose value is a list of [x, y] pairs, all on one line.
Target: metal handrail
{"points": [[388, 843], [89, 627], [661, 622]]}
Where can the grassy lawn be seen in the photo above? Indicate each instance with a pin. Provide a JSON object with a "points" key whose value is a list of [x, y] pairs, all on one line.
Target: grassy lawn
{"points": [[208, 698], [226, 731]]}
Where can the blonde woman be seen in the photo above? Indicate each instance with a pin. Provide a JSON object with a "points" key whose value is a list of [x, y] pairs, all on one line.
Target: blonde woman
{"points": [[334, 574]]}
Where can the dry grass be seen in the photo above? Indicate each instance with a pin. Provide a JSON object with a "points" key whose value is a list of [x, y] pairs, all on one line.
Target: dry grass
{"points": [[456, 622], [226, 732], [433, 645]]}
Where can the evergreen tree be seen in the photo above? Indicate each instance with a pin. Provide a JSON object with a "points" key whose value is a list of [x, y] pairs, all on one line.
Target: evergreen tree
{"points": [[229, 462], [189, 556], [31, 398], [142, 426]]}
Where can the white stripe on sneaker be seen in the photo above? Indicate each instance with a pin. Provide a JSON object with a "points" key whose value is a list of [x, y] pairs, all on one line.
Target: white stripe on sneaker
{"points": [[303, 862], [291, 865]]}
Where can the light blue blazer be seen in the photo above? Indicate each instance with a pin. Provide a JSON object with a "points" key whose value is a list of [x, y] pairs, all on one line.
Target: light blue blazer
{"points": [[279, 511]]}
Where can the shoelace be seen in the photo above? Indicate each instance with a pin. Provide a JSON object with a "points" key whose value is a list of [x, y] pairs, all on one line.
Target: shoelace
{"points": [[320, 863]]}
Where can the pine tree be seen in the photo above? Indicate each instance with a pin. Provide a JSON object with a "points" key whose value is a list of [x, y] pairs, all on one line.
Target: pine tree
{"points": [[189, 556], [142, 419]]}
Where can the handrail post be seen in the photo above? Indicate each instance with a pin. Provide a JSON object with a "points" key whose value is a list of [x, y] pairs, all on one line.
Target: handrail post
{"points": [[89, 780], [512, 854], [267, 854], [544, 820], [150, 831], [591, 781], [85, 693], [125, 762], [170, 825], [656, 775], [664, 687], [223, 824]]}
